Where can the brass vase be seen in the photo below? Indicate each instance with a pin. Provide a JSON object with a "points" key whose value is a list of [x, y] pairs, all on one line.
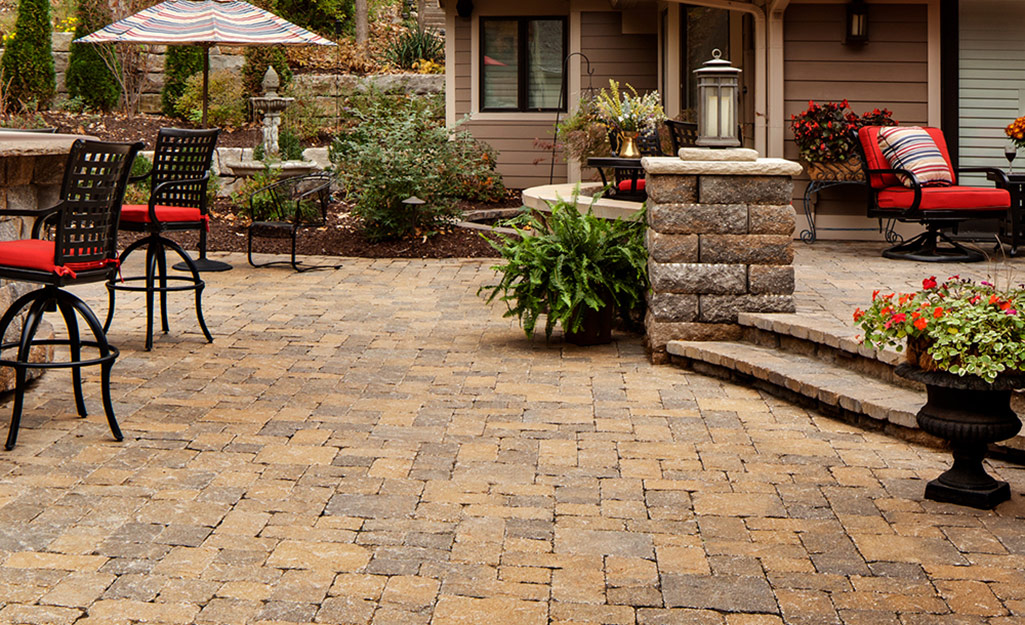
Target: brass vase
{"points": [[628, 144]]}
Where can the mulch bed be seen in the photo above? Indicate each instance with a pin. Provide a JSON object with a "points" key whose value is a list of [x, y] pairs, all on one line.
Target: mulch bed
{"points": [[340, 237]]}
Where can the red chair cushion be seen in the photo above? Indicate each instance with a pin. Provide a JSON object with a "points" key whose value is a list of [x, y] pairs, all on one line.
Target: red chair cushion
{"points": [[869, 137], [627, 185], [38, 255], [946, 198], [139, 213]]}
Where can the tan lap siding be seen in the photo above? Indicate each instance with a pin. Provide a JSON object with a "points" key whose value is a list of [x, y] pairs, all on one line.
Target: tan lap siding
{"points": [[462, 63], [890, 71], [629, 59]]}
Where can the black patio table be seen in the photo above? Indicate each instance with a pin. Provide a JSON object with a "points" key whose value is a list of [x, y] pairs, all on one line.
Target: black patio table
{"points": [[626, 169], [1015, 223]]}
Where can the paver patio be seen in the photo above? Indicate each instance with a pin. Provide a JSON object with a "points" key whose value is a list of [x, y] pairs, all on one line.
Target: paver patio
{"points": [[375, 445]]}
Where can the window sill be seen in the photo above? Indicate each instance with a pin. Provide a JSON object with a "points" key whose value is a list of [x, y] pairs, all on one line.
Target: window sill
{"points": [[509, 116]]}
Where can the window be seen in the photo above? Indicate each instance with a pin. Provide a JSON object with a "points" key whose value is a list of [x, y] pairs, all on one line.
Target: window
{"points": [[521, 63]]}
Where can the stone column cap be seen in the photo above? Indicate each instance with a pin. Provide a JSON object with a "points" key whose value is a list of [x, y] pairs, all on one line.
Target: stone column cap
{"points": [[759, 167], [728, 154], [13, 143]]}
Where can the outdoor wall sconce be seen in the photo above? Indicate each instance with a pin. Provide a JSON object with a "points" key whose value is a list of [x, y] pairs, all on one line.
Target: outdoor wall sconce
{"points": [[718, 103], [856, 30], [464, 8]]}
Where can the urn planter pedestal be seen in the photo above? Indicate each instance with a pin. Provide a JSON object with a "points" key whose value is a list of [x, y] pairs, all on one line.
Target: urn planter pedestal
{"points": [[970, 413]]}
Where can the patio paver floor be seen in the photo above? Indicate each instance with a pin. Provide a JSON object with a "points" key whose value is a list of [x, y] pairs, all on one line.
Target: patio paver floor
{"points": [[375, 445]]}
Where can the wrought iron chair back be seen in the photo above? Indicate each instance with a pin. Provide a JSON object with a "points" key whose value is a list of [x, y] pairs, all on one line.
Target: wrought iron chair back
{"points": [[93, 187], [179, 155], [682, 134]]}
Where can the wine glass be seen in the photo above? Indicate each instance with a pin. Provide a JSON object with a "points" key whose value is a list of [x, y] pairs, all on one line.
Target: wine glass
{"points": [[1010, 151]]}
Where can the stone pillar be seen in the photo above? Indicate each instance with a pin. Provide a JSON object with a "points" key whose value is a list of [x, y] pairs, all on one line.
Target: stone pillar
{"points": [[720, 235]]}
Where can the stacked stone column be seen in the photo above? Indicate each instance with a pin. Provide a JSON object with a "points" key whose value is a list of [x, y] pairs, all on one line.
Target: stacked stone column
{"points": [[720, 236]]}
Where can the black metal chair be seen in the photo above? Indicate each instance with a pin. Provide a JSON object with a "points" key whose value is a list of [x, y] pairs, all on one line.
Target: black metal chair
{"points": [[84, 249], [682, 134], [177, 202], [287, 206]]}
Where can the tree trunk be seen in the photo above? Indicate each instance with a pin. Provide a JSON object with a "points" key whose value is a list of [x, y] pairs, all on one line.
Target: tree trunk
{"points": [[362, 22]]}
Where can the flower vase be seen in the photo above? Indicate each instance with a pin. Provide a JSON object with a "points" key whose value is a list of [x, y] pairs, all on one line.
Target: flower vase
{"points": [[628, 144]]}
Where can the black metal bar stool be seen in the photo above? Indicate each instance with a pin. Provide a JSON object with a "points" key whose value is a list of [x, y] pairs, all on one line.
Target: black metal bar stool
{"points": [[177, 201], [83, 249]]}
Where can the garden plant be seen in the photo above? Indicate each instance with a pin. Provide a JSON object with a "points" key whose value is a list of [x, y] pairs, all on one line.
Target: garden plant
{"points": [[560, 264]]}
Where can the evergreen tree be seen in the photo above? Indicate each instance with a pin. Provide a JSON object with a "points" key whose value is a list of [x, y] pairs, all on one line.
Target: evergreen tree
{"points": [[27, 69], [180, 63], [88, 76]]}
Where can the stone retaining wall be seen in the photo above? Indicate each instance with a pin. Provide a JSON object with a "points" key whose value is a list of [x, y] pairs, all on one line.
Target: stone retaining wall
{"points": [[719, 240], [329, 90]]}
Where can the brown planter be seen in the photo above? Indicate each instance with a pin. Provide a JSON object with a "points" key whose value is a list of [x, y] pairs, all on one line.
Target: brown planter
{"points": [[595, 328], [840, 170]]}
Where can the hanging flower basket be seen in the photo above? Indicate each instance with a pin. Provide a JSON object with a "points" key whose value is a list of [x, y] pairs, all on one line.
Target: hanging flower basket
{"points": [[849, 169]]}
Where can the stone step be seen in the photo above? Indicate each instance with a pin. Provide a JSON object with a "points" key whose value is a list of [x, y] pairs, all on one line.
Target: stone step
{"points": [[831, 388], [823, 338]]}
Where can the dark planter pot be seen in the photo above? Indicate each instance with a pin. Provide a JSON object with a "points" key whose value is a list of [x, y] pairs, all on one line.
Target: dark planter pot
{"points": [[970, 413], [596, 328]]}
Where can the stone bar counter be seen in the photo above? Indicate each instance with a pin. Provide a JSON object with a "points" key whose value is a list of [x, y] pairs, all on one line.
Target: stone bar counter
{"points": [[31, 167], [720, 235]]}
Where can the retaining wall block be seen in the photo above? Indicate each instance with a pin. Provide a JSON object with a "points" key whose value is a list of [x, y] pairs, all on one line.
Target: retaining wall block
{"points": [[761, 249], [744, 189]]}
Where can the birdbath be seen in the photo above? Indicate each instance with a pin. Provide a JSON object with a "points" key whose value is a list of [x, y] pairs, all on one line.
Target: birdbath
{"points": [[271, 105]]}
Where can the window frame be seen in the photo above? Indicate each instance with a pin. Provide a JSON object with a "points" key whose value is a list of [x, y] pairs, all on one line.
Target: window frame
{"points": [[522, 60]]}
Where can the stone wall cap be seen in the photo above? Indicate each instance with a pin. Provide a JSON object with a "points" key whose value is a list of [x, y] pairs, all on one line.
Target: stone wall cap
{"points": [[760, 167], [708, 154], [13, 143]]}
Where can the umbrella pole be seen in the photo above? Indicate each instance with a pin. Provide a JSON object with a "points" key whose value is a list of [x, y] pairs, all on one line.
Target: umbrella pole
{"points": [[206, 80]]}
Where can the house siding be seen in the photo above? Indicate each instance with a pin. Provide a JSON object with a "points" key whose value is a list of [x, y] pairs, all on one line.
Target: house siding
{"points": [[629, 59], [890, 71], [523, 158]]}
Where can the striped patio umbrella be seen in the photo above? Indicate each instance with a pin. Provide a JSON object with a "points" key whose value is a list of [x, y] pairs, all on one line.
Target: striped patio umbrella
{"points": [[206, 23]]}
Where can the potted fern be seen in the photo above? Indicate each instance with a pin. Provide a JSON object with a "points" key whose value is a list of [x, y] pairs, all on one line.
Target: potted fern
{"points": [[573, 267]]}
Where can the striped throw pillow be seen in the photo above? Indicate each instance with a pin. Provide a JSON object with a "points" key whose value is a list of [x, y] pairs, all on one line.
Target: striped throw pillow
{"points": [[911, 148]]}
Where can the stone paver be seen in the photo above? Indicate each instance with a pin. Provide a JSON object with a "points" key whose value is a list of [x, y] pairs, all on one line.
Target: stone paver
{"points": [[375, 445]]}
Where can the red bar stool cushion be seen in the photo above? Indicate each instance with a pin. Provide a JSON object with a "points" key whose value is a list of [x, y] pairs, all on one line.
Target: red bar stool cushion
{"points": [[38, 255], [139, 213]]}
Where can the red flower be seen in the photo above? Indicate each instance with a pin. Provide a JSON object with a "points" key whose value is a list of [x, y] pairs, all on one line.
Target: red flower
{"points": [[929, 283], [993, 299], [899, 318], [875, 294], [938, 312], [858, 314], [921, 323]]}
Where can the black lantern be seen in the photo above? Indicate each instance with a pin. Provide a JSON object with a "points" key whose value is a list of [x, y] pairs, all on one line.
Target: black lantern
{"points": [[856, 31], [464, 8], [718, 99]]}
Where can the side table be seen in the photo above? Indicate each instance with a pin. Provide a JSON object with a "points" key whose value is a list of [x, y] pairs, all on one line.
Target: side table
{"points": [[1015, 223], [627, 168]]}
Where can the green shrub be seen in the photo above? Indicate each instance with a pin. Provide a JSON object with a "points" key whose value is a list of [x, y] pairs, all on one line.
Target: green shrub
{"points": [[414, 45], [255, 66], [181, 63], [225, 106], [331, 18], [90, 81], [138, 192], [564, 262], [26, 70], [398, 150]]}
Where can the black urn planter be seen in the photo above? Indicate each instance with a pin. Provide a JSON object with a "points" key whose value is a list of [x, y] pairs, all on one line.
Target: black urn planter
{"points": [[970, 413], [595, 328]]}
